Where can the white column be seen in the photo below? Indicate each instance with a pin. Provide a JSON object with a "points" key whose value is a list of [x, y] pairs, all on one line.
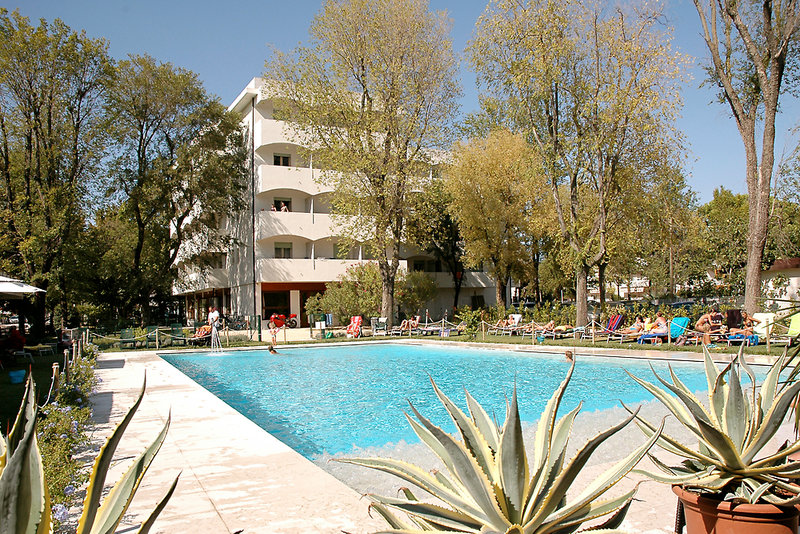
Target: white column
{"points": [[359, 253], [294, 303], [313, 257]]}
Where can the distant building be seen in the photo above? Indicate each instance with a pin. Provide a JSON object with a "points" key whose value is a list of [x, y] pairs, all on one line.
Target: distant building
{"points": [[782, 280], [287, 241]]}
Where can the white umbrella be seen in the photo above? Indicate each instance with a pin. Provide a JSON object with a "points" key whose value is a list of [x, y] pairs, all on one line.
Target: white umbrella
{"points": [[14, 289]]}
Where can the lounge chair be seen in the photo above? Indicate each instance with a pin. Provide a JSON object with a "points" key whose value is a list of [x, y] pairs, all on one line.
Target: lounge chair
{"points": [[513, 326], [408, 325], [202, 336], [379, 326], [127, 338], [176, 333], [765, 325], [792, 332], [354, 328], [151, 338], [611, 329], [497, 328], [560, 332], [677, 327]]}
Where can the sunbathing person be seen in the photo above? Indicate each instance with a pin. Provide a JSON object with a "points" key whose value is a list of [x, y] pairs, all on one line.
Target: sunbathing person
{"points": [[660, 325], [635, 328], [709, 323], [501, 323], [203, 331], [748, 322], [549, 326], [410, 324]]}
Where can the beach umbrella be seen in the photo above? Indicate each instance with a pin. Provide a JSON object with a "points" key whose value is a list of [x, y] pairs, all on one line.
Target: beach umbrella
{"points": [[14, 289]]}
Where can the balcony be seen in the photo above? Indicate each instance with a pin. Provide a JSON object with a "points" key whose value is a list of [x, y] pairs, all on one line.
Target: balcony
{"points": [[274, 131], [471, 280], [311, 226], [291, 270], [189, 282], [274, 177]]}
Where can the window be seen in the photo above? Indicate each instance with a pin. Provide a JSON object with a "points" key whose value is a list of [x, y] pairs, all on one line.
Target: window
{"points": [[283, 250], [283, 160], [282, 204], [419, 265]]}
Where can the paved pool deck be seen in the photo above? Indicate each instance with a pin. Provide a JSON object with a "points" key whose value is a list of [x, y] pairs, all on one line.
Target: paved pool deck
{"points": [[235, 477]]}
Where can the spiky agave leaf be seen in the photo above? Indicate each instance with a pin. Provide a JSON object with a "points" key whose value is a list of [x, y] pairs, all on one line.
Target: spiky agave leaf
{"points": [[24, 498], [502, 492], [731, 433]]}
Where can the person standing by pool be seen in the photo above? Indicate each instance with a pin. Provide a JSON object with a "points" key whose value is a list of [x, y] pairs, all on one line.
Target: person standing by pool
{"points": [[213, 321], [273, 331]]}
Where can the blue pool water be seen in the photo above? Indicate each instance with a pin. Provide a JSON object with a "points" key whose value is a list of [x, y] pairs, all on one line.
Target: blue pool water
{"points": [[332, 398]]}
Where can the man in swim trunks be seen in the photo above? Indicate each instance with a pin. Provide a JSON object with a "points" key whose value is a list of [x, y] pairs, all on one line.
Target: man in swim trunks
{"points": [[709, 323]]}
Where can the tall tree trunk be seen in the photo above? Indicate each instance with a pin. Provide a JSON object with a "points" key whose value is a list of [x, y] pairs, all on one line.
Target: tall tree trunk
{"points": [[537, 289], [458, 281], [388, 271], [758, 189], [601, 280], [581, 295], [500, 291], [671, 270]]}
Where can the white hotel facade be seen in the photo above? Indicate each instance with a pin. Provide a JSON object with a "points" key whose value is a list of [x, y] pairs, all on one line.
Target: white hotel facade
{"points": [[283, 257]]}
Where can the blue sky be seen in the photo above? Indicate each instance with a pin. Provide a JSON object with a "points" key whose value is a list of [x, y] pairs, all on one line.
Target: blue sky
{"points": [[226, 44]]}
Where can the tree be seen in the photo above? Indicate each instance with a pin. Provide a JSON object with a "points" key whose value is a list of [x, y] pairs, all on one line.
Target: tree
{"points": [[52, 83], [596, 95], [725, 218], [370, 97], [357, 292], [434, 229], [491, 210], [757, 47], [179, 169]]}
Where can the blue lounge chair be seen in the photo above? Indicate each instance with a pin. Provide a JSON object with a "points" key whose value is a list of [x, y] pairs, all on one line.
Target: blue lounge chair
{"points": [[677, 327]]}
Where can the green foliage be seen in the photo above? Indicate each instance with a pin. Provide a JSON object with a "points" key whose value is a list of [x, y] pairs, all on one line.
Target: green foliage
{"points": [[62, 431], [726, 223], [733, 431], [403, 93], [471, 319], [358, 292], [491, 212], [62, 434], [489, 484], [23, 494], [52, 81], [175, 148], [413, 289]]}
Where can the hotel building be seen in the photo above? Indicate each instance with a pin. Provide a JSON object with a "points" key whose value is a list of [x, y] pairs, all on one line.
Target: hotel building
{"points": [[287, 246]]}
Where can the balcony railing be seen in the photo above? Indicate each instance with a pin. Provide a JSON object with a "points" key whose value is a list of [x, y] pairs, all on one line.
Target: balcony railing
{"points": [[311, 226], [305, 270], [274, 177]]}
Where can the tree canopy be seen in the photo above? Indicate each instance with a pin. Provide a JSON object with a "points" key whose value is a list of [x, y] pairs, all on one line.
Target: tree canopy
{"points": [[372, 97]]}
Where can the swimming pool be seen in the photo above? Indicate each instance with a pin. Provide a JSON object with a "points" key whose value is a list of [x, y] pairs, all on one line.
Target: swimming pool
{"points": [[333, 398]]}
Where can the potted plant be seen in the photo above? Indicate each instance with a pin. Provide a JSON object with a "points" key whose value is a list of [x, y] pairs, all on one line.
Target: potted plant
{"points": [[489, 485], [733, 481]]}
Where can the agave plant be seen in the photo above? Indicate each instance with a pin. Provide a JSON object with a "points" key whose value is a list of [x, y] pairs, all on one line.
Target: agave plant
{"points": [[732, 433], [24, 500], [490, 485]]}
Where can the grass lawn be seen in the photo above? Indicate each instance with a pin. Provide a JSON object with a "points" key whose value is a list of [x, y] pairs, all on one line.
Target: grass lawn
{"points": [[775, 349], [11, 394]]}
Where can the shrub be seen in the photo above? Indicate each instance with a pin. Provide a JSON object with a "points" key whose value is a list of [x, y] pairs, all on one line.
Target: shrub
{"points": [[471, 319]]}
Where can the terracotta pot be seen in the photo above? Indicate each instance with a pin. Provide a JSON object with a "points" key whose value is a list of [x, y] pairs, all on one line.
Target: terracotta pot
{"points": [[712, 516]]}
